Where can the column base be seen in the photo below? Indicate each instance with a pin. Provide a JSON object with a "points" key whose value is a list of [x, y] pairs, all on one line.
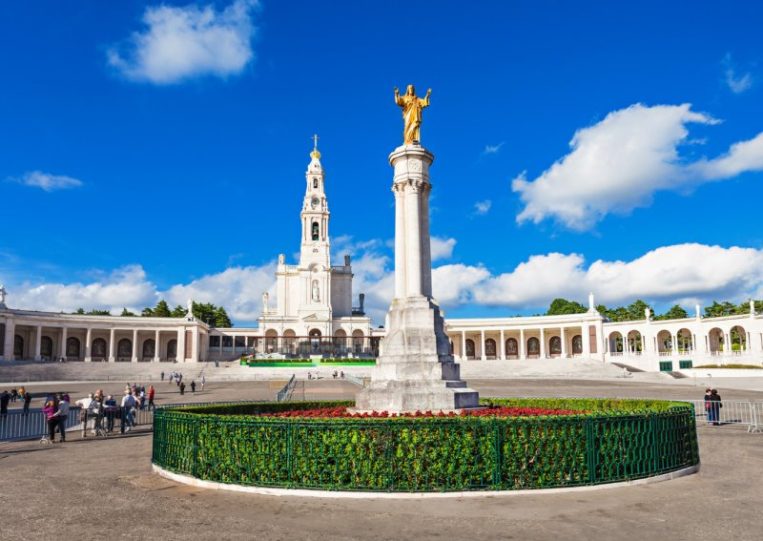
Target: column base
{"points": [[88, 359], [112, 359], [415, 371]]}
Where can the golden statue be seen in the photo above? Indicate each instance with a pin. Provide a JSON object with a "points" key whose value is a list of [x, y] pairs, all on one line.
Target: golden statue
{"points": [[412, 107]]}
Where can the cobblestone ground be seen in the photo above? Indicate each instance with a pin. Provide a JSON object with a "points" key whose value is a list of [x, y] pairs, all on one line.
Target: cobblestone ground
{"points": [[89, 488]]}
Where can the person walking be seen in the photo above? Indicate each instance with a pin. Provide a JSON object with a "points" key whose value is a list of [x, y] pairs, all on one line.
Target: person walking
{"points": [[4, 399], [162, 376], [84, 412], [62, 414], [203, 381], [110, 409], [709, 415], [193, 386], [49, 411], [27, 401], [128, 403], [151, 394], [182, 388], [715, 406]]}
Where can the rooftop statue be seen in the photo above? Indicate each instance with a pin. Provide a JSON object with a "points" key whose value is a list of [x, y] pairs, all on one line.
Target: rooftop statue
{"points": [[412, 107]]}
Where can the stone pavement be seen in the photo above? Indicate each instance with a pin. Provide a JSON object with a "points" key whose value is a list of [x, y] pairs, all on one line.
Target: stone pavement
{"points": [[104, 488]]}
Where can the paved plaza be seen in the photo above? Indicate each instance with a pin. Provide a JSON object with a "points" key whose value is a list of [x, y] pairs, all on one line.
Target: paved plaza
{"points": [[89, 488]]}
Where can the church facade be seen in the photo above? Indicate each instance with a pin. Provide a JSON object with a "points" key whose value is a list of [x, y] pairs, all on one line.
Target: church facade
{"points": [[313, 315]]}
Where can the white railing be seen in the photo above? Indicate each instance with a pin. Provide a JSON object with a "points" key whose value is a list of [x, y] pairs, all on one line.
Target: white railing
{"points": [[730, 412]]}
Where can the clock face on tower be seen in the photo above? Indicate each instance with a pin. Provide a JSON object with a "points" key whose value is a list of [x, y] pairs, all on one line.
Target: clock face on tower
{"points": [[314, 202]]}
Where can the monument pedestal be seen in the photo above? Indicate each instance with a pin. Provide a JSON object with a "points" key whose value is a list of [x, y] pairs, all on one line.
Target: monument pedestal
{"points": [[415, 370]]}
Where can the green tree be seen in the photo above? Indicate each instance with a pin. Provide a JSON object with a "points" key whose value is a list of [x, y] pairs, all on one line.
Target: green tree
{"points": [[221, 318], [162, 309], [211, 314], [720, 309], [126, 313], [563, 306], [147, 312], [636, 310], [80, 311], [95, 312], [178, 311], [675, 312]]}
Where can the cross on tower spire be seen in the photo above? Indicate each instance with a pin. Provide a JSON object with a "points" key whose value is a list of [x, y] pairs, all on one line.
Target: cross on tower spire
{"points": [[315, 153]]}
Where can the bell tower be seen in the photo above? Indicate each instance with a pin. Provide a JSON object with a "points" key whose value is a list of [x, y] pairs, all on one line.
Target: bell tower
{"points": [[315, 245]]}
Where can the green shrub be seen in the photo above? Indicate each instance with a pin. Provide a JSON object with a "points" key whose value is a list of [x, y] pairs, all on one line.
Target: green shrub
{"points": [[614, 440]]}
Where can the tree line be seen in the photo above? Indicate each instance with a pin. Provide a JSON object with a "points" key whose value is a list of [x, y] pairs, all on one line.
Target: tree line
{"points": [[206, 312], [635, 310]]}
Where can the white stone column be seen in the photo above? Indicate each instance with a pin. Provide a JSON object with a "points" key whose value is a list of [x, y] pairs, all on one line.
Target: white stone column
{"points": [[463, 345], [10, 333], [674, 338], [195, 344], [503, 346], [157, 346], [585, 334], [400, 270], [412, 241], [564, 342], [727, 346], [426, 243], [112, 346], [542, 343], [88, 345], [180, 355], [522, 345], [38, 343], [220, 347], [483, 356], [64, 331], [135, 346]]}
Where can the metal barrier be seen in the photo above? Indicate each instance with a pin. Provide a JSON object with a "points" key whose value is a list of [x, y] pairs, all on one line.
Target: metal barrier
{"points": [[20, 425], [731, 412], [285, 393]]}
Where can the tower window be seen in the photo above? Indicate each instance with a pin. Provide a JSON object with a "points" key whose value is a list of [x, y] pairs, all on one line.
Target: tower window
{"points": [[315, 231], [315, 182]]}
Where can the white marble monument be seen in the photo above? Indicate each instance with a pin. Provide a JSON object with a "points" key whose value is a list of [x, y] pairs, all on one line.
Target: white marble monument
{"points": [[415, 370]]}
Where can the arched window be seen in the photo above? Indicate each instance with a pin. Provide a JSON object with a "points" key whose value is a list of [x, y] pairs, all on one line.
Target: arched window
{"points": [[124, 348], [316, 291], [18, 346], [577, 344], [555, 345], [46, 347], [99, 348], [490, 348], [533, 346], [172, 349], [72, 347], [315, 340], [512, 347], [315, 182], [357, 341], [149, 347], [469, 348], [316, 231]]}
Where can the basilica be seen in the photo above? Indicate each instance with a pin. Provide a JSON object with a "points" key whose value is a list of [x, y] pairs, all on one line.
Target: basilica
{"points": [[313, 315]]}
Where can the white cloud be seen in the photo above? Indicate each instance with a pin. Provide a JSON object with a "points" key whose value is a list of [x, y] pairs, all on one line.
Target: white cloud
{"points": [[238, 289], [737, 83], [669, 274], [493, 149], [618, 164], [48, 181], [124, 287], [482, 207], [180, 43], [441, 248]]}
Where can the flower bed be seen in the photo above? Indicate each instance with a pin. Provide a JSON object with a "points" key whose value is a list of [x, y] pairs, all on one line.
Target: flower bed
{"points": [[538, 443], [345, 412]]}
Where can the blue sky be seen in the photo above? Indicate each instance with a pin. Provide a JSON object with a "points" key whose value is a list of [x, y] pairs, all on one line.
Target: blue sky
{"points": [[158, 150]]}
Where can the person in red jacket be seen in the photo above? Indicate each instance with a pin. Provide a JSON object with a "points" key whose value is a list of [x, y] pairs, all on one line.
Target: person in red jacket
{"points": [[151, 394]]}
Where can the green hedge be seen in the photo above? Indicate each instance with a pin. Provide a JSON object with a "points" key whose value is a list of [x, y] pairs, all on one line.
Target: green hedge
{"points": [[615, 440]]}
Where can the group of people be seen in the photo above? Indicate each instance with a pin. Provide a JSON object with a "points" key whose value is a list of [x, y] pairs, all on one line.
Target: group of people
{"points": [[10, 397], [177, 377], [713, 406]]}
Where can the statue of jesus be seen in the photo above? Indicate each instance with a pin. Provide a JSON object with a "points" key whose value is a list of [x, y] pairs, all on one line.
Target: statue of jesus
{"points": [[412, 107]]}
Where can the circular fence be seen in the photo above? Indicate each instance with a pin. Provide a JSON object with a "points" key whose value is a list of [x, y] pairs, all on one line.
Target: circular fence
{"points": [[609, 441]]}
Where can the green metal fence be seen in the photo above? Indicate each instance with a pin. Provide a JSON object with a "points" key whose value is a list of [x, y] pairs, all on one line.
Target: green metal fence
{"points": [[425, 454]]}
